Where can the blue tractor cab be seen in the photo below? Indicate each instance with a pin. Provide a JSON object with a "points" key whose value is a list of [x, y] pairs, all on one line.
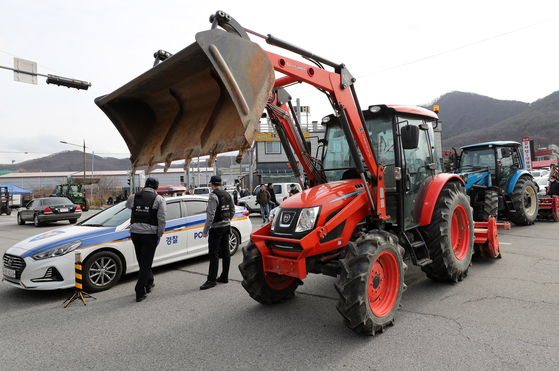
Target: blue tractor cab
{"points": [[497, 182]]}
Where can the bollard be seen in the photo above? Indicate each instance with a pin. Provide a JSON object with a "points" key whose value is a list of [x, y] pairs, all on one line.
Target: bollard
{"points": [[79, 293]]}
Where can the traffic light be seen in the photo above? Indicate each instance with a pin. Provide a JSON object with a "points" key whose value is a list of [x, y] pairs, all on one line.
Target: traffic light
{"points": [[128, 182], [69, 83], [182, 178]]}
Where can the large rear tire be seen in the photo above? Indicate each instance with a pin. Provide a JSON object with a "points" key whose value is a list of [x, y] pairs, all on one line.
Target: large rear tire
{"points": [[264, 287], [525, 201], [450, 236], [87, 204], [371, 283]]}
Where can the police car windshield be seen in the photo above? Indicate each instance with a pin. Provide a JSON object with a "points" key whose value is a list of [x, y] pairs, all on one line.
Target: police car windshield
{"points": [[111, 217]]}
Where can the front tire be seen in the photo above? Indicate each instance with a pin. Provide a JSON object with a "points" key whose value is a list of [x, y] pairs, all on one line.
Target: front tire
{"points": [[234, 241], [525, 201], [87, 204], [371, 283], [264, 287], [450, 236], [490, 207], [20, 221], [101, 271], [73, 221]]}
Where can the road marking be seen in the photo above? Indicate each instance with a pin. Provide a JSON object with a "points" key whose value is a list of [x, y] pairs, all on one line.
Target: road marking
{"points": [[505, 243]]}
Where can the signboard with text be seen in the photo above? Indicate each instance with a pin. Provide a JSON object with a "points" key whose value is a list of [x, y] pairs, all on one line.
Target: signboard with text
{"points": [[526, 153]]}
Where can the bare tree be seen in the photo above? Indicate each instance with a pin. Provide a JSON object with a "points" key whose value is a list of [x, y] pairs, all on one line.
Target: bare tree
{"points": [[106, 185]]}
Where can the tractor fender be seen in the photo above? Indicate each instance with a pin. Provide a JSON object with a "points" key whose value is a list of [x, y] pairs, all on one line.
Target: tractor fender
{"points": [[512, 182], [427, 198]]}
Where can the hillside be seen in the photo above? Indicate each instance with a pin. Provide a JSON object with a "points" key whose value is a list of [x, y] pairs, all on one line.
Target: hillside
{"points": [[73, 161], [462, 113], [540, 122]]}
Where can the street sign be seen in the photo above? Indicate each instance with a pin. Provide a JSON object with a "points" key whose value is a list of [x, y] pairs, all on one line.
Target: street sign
{"points": [[25, 66]]}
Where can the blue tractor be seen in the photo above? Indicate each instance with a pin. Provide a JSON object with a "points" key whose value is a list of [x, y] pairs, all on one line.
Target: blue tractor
{"points": [[498, 183]]}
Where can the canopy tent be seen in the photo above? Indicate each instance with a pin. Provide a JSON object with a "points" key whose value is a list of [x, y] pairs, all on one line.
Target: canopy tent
{"points": [[15, 190]]}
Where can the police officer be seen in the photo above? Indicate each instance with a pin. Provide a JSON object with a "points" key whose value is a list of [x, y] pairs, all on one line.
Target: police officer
{"points": [[147, 226], [219, 213], [553, 186]]}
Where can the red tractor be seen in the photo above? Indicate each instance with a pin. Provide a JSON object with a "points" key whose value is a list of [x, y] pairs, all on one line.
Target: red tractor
{"points": [[378, 195]]}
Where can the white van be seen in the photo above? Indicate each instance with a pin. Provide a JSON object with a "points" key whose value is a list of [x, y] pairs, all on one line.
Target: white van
{"points": [[280, 189]]}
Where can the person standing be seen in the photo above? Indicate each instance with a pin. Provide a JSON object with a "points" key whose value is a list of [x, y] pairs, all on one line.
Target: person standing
{"points": [[273, 201], [293, 190], [148, 218], [553, 186], [263, 199], [219, 213]]}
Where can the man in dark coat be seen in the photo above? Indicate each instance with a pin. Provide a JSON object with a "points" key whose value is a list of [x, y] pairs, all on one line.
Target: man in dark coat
{"points": [[553, 186], [273, 201]]}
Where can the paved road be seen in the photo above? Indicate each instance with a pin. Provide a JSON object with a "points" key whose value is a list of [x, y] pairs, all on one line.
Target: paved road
{"points": [[503, 316]]}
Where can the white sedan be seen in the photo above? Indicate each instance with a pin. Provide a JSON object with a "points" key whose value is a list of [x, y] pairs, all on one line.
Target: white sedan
{"points": [[46, 261]]}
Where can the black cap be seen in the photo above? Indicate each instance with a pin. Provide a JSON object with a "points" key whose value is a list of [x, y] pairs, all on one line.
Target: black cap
{"points": [[152, 183], [215, 180], [292, 185]]}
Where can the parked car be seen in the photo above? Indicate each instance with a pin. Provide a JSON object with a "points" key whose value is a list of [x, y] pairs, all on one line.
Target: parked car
{"points": [[542, 183], [46, 261], [202, 191], [49, 209], [280, 189]]}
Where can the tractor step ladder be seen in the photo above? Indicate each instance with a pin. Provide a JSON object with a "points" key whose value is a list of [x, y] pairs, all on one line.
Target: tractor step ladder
{"points": [[418, 249], [509, 204]]}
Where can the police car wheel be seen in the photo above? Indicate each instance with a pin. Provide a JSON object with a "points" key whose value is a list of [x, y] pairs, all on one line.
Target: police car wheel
{"points": [[234, 242], [101, 271]]}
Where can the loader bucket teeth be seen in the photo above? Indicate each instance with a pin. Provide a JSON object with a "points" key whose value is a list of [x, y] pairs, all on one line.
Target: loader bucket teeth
{"points": [[204, 100]]}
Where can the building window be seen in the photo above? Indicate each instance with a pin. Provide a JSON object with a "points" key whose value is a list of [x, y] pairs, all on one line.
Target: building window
{"points": [[273, 147]]}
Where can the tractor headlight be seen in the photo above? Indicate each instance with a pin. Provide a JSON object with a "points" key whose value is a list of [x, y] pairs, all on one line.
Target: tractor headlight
{"points": [[57, 251], [307, 219]]}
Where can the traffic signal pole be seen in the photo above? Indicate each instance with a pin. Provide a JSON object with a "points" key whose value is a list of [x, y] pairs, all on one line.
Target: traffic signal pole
{"points": [[56, 80]]}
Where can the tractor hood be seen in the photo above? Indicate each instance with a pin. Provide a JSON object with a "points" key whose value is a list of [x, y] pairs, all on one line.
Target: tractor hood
{"points": [[333, 193]]}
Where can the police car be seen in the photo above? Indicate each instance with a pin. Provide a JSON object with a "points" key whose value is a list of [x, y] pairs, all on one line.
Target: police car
{"points": [[47, 261]]}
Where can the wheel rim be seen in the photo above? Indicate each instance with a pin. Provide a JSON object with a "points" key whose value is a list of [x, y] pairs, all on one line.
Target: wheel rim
{"points": [[103, 271], [460, 232], [232, 241], [530, 202], [278, 281], [384, 281]]}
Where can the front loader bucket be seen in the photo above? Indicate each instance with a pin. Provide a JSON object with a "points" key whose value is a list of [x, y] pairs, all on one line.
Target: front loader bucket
{"points": [[204, 100]]}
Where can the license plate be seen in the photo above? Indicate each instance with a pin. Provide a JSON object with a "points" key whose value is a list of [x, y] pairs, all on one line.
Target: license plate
{"points": [[9, 272], [63, 210]]}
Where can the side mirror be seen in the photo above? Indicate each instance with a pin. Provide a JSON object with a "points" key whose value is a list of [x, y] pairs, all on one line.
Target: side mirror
{"points": [[505, 152], [410, 136]]}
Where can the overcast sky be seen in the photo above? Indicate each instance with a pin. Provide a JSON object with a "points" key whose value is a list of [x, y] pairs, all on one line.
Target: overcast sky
{"points": [[406, 52]]}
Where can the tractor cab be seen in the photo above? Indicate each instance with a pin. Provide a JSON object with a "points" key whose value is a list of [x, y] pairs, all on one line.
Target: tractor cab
{"points": [[498, 183], [407, 155], [490, 164]]}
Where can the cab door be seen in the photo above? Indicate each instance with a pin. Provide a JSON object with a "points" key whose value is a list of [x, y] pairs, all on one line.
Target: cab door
{"points": [[172, 245], [195, 221], [418, 163]]}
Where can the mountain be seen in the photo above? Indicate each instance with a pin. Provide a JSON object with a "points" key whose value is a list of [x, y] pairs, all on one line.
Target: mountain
{"points": [[483, 119], [73, 161], [465, 112]]}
